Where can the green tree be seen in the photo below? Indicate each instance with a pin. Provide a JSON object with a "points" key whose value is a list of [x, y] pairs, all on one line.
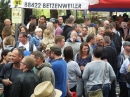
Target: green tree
{"points": [[5, 12]]}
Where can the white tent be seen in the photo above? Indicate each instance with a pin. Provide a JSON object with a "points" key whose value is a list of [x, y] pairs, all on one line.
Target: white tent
{"points": [[51, 4]]}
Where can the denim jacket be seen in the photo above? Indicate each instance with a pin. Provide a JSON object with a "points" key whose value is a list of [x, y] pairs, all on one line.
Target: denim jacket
{"points": [[36, 41]]}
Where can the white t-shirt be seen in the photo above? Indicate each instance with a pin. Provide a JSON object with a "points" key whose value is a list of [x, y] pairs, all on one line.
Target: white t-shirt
{"points": [[27, 46], [28, 25], [85, 37]]}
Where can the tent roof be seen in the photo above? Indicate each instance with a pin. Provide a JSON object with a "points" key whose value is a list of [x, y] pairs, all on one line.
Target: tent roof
{"points": [[110, 9], [112, 4]]}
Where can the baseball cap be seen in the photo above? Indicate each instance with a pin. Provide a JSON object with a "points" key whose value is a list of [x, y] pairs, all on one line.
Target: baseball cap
{"points": [[126, 43], [54, 20], [55, 48], [51, 19], [27, 53]]}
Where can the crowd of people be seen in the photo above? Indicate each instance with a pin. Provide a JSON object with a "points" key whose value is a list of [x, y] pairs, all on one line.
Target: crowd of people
{"points": [[64, 59]]}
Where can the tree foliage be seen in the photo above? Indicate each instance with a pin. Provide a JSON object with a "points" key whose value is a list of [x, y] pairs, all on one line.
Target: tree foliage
{"points": [[5, 12]]}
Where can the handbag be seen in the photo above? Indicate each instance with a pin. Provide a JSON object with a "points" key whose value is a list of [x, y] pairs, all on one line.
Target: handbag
{"points": [[98, 92]]}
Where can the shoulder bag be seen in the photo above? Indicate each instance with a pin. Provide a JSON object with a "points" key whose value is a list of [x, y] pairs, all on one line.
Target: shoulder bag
{"points": [[98, 92]]}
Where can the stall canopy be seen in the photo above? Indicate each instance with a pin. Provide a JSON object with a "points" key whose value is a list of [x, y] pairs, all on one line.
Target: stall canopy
{"points": [[51, 4], [112, 4], [111, 9]]}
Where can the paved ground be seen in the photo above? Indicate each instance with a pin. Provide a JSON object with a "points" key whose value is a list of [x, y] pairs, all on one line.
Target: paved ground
{"points": [[117, 91]]}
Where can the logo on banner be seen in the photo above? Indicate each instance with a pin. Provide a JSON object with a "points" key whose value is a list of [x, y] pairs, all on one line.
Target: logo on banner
{"points": [[53, 5], [17, 2]]}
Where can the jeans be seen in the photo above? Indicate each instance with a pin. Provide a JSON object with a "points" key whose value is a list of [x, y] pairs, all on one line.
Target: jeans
{"points": [[112, 92], [81, 88], [106, 89]]}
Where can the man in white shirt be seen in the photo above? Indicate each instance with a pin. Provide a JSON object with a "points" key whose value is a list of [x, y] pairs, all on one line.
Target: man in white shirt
{"points": [[32, 19], [23, 41]]}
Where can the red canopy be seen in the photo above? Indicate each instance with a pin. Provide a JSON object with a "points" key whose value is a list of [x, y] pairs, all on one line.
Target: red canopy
{"points": [[112, 4]]}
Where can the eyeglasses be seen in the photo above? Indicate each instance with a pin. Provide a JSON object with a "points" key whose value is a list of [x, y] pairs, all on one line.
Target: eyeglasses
{"points": [[23, 63]]}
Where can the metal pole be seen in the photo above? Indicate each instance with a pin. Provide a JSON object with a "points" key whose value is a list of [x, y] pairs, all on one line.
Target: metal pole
{"points": [[85, 13], [116, 12], [75, 14], [16, 32]]}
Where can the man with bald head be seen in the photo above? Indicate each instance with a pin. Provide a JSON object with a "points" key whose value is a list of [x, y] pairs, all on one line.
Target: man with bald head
{"points": [[99, 41], [73, 37], [105, 23], [7, 22], [73, 42]]}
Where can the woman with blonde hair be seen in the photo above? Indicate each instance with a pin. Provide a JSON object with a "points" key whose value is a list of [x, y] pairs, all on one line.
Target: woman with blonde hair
{"points": [[9, 43], [101, 31], [47, 37], [92, 30], [13, 29], [50, 27], [6, 32]]}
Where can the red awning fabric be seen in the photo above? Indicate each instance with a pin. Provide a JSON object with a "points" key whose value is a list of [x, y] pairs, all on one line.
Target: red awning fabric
{"points": [[112, 4]]}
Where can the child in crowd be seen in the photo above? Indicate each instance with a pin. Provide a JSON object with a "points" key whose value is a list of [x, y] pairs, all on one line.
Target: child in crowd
{"points": [[37, 38]]}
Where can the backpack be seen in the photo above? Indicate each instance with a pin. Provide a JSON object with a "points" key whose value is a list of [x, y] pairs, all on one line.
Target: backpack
{"points": [[127, 76], [30, 45]]}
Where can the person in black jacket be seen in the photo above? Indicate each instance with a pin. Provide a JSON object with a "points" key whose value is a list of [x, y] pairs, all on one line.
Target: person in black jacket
{"points": [[68, 28], [115, 37], [10, 71], [25, 83], [111, 56]]}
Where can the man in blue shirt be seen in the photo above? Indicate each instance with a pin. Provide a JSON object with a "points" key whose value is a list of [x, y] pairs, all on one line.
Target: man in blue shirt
{"points": [[59, 67]]}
